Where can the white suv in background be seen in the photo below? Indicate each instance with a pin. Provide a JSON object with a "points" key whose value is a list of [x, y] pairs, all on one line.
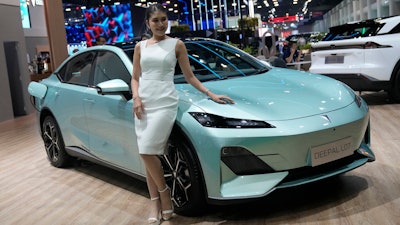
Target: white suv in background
{"points": [[365, 55]]}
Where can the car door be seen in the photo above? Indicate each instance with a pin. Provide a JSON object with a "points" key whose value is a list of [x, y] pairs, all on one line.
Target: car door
{"points": [[68, 103], [109, 117]]}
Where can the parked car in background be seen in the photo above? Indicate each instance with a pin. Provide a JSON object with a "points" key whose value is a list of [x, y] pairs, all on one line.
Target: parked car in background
{"points": [[286, 128], [365, 55], [309, 37]]}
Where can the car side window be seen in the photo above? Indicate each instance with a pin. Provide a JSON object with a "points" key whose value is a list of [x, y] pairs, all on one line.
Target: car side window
{"points": [[109, 66], [77, 70], [395, 30]]}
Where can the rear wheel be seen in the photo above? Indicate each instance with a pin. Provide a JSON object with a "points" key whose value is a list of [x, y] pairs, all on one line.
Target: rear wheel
{"points": [[54, 143], [395, 91], [183, 176]]}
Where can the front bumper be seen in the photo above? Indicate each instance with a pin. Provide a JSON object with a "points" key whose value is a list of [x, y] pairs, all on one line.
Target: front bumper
{"points": [[244, 188]]}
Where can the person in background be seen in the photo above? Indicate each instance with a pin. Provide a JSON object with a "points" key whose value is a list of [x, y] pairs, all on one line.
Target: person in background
{"points": [[100, 40], [290, 53], [156, 103]]}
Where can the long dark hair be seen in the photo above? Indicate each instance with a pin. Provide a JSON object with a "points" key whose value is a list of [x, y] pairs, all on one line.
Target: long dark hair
{"points": [[150, 10]]}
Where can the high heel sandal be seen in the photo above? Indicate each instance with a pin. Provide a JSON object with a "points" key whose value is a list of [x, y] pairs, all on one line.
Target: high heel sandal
{"points": [[154, 220], [167, 214]]}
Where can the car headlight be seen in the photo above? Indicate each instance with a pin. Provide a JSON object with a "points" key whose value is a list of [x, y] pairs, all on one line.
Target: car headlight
{"points": [[210, 120], [358, 101], [357, 98]]}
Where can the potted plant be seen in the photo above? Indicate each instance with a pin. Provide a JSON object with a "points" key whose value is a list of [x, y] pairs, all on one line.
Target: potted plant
{"points": [[306, 49]]}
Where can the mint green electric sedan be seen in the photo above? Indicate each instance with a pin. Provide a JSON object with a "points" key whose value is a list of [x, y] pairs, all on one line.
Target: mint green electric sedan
{"points": [[286, 128]]}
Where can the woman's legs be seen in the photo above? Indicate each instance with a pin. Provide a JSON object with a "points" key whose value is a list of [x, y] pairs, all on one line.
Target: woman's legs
{"points": [[156, 182], [155, 204]]}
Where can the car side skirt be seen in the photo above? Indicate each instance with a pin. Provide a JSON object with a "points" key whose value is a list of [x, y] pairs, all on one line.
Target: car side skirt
{"points": [[81, 154]]}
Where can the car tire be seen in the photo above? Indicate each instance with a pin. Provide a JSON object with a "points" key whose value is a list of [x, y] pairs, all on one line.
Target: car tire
{"points": [[183, 176], [395, 92], [54, 143]]}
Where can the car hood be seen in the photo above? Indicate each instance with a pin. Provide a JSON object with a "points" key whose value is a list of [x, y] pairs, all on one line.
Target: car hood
{"points": [[280, 94]]}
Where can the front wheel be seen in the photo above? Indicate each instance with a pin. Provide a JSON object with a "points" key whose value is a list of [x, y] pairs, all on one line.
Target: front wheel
{"points": [[54, 143], [183, 176]]}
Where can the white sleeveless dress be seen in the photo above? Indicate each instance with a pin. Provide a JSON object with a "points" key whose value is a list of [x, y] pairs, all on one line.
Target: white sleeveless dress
{"points": [[158, 95]]}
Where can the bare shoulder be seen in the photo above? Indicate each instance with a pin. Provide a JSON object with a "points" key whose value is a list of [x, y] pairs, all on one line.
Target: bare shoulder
{"points": [[137, 49], [137, 46], [180, 47], [180, 44]]}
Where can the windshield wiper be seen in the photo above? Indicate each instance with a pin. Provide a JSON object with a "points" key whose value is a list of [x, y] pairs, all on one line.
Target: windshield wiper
{"points": [[232, 75], [261, 70]]}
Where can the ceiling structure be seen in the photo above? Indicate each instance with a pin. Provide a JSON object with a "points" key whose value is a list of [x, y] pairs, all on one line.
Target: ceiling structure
{"points": [[305, 11], [282, 7], [290, 7], [308, 10]]}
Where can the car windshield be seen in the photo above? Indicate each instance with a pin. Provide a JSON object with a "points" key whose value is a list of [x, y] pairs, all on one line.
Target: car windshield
{"points": [[214, 60], [353, 30]]}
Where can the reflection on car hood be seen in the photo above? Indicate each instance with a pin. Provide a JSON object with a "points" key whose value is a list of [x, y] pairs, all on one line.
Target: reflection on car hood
{"points": [[280, 94]]}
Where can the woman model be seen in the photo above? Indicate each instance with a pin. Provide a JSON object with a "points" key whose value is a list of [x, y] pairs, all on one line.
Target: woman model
{"points": [[156, 103]]}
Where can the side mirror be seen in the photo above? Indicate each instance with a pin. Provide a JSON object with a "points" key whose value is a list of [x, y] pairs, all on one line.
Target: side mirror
{"points": [[114, 87], [37, 90]]}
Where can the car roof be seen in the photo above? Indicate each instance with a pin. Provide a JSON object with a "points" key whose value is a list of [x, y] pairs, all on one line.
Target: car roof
{"points": [[387, 23]]}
